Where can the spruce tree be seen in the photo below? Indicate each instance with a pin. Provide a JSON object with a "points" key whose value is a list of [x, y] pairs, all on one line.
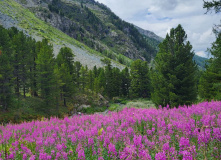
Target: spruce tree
{"points": [[46, 81], [108, 88], [116, 81], [125, 82], [83, 77], [173, 80], [66, 56], [65, 60], [139, 79], [100, 82], [210, 82], [6, 69], [90, 80], [77, 68]]}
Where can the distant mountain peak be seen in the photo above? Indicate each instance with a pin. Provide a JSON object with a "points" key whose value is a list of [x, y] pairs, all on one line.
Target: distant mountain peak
{"points": [[149, 34]]}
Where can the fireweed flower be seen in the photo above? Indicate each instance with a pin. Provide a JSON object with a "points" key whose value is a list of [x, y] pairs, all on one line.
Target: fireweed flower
{"points": [[127, 134], [184, 143], [81, 154], [112, 151], [161, 156]]}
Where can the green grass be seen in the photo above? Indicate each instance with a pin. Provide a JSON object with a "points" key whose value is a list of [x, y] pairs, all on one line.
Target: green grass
{"points": [[120, 104], [29, 109], [113, 107], [140, 103]]}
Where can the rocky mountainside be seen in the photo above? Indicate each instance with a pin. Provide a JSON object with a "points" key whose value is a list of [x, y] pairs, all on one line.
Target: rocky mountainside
{"points": [[149, 34], [94, 25]]}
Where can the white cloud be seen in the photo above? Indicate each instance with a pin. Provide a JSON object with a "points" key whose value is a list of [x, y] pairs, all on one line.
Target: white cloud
{"points": [[203, 54], [160, 16]]}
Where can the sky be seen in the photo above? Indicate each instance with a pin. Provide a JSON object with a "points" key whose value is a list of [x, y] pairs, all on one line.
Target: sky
{"points": [[160, 16]]}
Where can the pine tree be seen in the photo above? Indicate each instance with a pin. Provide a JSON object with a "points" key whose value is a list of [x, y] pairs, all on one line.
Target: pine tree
{"points": [[173, 79], [83, 77], [65, 65], [90, 80], [139, 79], [77, 68], [6, 69], [66, 56], [22, 61], [108, 88], [66, 84], [116, 81], [45, 72], [125, 82], [210, 82], [100, 82]]}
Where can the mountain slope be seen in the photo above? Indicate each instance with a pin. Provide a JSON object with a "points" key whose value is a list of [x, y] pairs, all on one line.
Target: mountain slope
{"points": [[14, 14], [200, 61], [94, 25], [89, 28]]}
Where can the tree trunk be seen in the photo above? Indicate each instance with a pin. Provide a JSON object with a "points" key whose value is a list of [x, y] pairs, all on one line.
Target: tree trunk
{"points": [[65, 102]]}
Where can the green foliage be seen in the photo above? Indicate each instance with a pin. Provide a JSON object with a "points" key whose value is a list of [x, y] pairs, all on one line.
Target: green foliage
{"points": [[213, 5], [113, 107], [92, 110], [125, 82], [173, 80], [45, 72], [5, 81], [210, 82], [140, 84], [65, 72]]}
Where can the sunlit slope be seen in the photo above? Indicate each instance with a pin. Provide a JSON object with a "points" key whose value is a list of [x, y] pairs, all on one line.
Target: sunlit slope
{"points": [[14, 14]]}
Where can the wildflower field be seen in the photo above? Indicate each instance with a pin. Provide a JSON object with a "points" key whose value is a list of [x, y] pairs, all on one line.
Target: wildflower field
{"points": [[192, 132]]}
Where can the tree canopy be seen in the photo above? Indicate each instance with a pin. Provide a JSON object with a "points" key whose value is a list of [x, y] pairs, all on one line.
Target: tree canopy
{"points": [[173, 78]]}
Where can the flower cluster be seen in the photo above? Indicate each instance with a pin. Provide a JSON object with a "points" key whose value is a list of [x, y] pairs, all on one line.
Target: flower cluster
{"points": [[192, 132]]}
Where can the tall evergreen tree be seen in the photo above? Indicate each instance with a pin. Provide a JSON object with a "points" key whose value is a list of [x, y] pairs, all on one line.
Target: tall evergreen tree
{"points": [[65, 60], [77, 68], [173, 79], [90, 80], [83, 77], [100, 82], [139, 79], [45, 72], [6, 69], [108, 88], [125, 82], [116, 81], [66, 56], [210, 82]]}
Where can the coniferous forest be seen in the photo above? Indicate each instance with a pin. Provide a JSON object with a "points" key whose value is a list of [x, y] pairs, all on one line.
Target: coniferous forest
{"points": [[31, 73]]}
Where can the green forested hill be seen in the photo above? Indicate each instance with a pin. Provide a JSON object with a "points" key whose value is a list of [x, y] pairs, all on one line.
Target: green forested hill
{"points": [[200, 61]]}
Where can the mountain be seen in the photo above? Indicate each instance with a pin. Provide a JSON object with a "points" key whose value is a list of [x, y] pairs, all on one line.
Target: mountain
{"points": [[82, 24], [89, 28], [149, 34], [200, 61]]}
